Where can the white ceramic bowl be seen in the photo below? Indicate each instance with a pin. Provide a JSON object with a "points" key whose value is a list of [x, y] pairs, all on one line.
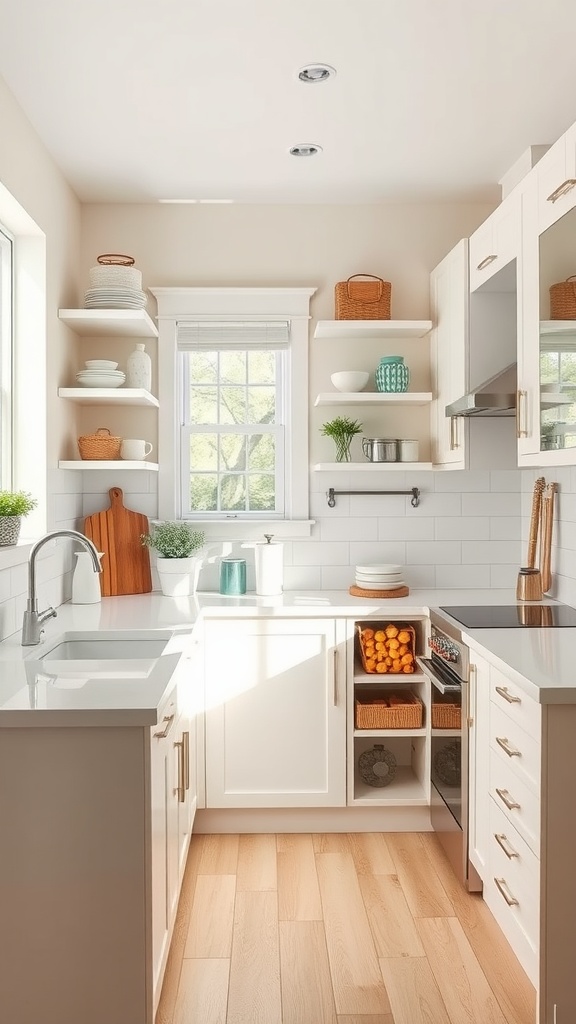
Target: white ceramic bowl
{"points": [[393, 577], [379, 586], [379, 570], [350, 380], [100, 364], [94, 381]]}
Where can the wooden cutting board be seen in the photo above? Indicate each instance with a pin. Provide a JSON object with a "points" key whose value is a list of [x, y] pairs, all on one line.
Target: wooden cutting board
{"points": [[126, 563]]}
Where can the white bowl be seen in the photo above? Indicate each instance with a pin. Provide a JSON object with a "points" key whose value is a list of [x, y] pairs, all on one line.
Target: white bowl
{"points": [[101, 364], [100, 382], [394, 577], [380, 586], [350, 380], [379, 570]]}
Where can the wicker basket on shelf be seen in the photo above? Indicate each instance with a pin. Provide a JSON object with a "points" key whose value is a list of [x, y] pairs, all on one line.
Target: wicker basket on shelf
{"points": [[446, 715], [362, 300], [101, 446], [398, 709], [563, 299]]}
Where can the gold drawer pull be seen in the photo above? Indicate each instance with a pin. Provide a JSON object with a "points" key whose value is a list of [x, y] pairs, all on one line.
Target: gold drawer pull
{"points": [[487, 261], [508, 800], [179, 744], [168, 719], [505, 892], [521, 399], [186, 743], [562, 190], [502, 841], [503, 691], [454, 434], [503, 742]]}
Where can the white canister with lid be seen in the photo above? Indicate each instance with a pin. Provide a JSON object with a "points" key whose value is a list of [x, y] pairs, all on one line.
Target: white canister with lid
{"points": [[269, 560], [408, 451]]}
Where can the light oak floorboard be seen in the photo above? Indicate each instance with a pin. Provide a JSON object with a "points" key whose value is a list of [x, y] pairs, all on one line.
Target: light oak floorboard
{"points": [[392, 924], [298, 892], [257, 863], [254, 993], [219, 855], [365, 1018], [464, 988], [331, 842], [420, 883], [371, 854], [169, 994], [356, 977], [212, 917], [203, 992], [509, 982], [413, 992], [305, 974]]}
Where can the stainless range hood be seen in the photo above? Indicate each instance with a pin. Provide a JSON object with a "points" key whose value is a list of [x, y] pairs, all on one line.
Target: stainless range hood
{"points": [[495, 397]]}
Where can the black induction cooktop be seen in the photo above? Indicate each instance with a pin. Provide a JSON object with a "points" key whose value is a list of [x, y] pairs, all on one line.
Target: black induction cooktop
{"points": [[508, 616]]}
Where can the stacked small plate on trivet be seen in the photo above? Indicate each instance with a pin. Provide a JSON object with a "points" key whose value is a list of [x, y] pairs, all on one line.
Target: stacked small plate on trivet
{"points": [[380, 577], [115, 284]]}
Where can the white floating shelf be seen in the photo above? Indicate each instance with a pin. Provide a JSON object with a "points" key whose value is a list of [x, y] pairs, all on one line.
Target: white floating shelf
{"points": [[370, 467], [374, 398], [372, 328], [109, 396], [95, 323], [557, 327], [119, 464]]}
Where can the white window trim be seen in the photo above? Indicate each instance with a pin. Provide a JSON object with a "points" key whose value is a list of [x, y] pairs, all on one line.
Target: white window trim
{"points": [[235, 304]]}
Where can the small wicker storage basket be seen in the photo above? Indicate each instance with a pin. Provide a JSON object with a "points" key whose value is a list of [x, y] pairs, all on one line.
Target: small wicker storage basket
{"points": [[362, 300], [399, 709], [563, 299], [446, 715], [99, 446]]}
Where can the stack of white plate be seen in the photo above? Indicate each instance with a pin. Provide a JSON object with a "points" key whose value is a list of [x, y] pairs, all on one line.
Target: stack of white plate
{"points": [[100, 373], [114, 298], [380, 577]]}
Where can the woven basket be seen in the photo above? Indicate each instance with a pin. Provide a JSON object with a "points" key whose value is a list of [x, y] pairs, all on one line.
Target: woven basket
{"points": [[362, 300], [563, 299], [99, 446], [446, 716], [362, 643], [400, 709]]}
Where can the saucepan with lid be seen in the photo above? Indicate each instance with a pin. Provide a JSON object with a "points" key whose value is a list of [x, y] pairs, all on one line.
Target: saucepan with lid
{"points": [[379, 449]]}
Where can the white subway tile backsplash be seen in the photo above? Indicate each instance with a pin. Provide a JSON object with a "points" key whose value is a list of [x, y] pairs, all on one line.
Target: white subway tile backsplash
{"points": [[491, 552], [504, 527], [463, 576], [337, 577], [420, 576], [67, 507], [378, 553], [316, 553], [565, 535], [435, 552], [436, 505], [377, 504], [319, 507], [299, 577], [406, 528], [460, 481], [360, 528], [7, 619], [503, 576], [464, 528], [506, 480], [493, 504]]}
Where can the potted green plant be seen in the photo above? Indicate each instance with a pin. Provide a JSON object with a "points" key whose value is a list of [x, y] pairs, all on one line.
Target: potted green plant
{"points": [[178, 561], [13, 505], [342, 430]]}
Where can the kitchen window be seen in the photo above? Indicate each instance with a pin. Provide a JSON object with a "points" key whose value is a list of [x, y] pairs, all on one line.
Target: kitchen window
{"points": [[233, 417], [6, 333]]}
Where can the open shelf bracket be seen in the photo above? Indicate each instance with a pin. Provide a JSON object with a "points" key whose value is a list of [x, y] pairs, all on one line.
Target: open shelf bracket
{"points": [[414, 491]]}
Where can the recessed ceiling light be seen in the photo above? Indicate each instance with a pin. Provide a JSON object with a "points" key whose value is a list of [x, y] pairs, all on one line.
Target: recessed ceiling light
{"points": [[305, 149], [316, 73]]}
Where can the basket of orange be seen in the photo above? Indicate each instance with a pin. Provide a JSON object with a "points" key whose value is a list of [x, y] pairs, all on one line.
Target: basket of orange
{"points": [[388, 649]]}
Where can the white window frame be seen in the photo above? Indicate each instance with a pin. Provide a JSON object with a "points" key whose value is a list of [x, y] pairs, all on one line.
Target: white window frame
{"points": [[221, 304], [6, 356]]}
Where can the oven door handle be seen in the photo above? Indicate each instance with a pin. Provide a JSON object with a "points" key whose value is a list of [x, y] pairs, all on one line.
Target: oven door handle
{"points": [[426, 667]]}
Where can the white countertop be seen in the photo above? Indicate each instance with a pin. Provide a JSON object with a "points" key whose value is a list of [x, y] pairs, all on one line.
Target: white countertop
{"points": [[540, 659]]}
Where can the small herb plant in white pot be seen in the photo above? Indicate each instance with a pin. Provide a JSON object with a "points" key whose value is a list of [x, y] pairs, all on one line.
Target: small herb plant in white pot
{"points": [[13, 506], [179, 558]]}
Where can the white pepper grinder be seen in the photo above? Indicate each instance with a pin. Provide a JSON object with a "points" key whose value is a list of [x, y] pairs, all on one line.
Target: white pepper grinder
{"points": [[139, 369], [269, 559]]}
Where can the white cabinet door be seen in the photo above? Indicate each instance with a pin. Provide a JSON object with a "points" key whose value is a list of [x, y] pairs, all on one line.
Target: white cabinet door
{"points": [[496, 242], [275, 699], [556, 177], [162, 829], [478, 777], [449, 355]]}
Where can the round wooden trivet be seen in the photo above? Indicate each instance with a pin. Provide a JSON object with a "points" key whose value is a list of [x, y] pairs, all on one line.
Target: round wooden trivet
{"points": [[359, 592]]}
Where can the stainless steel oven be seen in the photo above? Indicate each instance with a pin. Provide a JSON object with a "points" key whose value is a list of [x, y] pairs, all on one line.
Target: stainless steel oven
{"points": [[448, 668]]}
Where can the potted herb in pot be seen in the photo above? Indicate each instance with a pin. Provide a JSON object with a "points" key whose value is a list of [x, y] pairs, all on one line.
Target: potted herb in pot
{"points": [[178, 560], [13, 505], [342, 430]]}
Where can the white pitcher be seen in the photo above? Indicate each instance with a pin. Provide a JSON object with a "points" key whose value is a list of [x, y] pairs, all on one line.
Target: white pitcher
{"points": [[86, 582]]}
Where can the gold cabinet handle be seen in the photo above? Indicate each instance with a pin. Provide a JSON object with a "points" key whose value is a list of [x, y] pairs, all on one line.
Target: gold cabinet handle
{"points": [[504, 742], [562, 190], [487, 261], [521, 398], [454, 443], [503, 691], [508, 800], [505, 892], [186, 744], [168, 719], [180, 785], [503, 842], [335, 692]]}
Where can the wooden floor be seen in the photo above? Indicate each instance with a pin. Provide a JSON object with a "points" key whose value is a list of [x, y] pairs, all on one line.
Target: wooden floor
{"points": [[335, 929]]}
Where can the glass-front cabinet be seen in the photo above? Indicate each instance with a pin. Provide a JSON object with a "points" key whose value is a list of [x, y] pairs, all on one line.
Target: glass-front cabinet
{"points": [[546, 399]]}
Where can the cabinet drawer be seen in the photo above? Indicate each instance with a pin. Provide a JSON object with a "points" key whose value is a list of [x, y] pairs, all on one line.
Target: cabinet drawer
{"points": [[512, 887], [555, 175], [516, 801], [496, 242], [519, 750], [515, 703]]}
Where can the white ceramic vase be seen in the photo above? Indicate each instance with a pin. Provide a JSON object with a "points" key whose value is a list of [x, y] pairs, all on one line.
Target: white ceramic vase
{"points": [[139, 369], [179, 576], [86, 582]]}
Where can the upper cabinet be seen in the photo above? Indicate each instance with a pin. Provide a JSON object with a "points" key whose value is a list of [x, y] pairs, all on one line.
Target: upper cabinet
{"points": [[449, 355], [555, 175], [497, 241]]}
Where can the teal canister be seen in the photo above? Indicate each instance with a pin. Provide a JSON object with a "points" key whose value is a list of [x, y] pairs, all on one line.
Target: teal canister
{"points": [[232, 576], [392, 374]]}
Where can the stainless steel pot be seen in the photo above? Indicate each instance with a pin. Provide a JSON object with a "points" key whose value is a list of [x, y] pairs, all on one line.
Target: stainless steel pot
{"points": [[379, 449]]}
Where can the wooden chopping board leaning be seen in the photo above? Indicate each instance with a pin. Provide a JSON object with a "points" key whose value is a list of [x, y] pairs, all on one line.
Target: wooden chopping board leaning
{"points": [[116, 531]]}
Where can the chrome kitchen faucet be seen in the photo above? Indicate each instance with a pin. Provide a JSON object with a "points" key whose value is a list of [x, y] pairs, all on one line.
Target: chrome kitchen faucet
{"points": [[33, 619]]}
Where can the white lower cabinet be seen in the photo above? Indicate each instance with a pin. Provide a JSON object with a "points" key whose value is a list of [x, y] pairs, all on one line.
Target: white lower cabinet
{"points": [[275, 707], [478, 767]]}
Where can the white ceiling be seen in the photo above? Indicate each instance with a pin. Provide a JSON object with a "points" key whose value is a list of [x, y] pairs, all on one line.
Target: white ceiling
{"points": [[139, 100]]}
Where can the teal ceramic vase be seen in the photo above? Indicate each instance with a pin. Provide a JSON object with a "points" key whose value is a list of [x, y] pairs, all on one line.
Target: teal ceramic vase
{"points": [[392, 375]]}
